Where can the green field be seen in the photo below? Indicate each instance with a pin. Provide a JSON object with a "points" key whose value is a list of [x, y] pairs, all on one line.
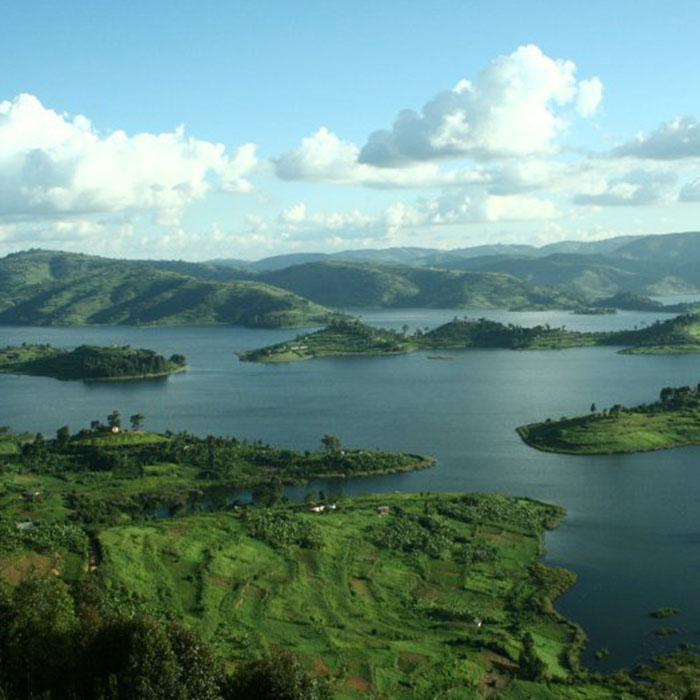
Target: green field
{"points": [[673, 421], [368, 612]]}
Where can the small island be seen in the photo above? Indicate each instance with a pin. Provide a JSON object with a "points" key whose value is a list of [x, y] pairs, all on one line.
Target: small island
{"points": [[89, 363], [672, 421], [343, 338]]}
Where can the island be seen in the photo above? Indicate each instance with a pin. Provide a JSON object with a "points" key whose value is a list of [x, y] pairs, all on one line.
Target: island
{"points": [[120, 552], [89, 362], [348, 338], [672, 421]]}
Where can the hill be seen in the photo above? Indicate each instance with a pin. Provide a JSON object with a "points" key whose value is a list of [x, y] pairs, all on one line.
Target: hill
{"points": [[48, 288], [88, 362], [343, 284], [352, 338], [672, 421]]}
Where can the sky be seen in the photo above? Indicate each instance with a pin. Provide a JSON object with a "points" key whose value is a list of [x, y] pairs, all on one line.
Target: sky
{"points": [[199, 130]]}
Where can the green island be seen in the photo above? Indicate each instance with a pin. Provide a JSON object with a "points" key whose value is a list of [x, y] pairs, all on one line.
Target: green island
{"points": [[346, 338], [123, 576], [89, 362], [672, 421]]}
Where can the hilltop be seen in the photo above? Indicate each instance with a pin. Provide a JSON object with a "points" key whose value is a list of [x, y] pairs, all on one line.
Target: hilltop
{"points": [[672, 421], [47, 288], [89, 362], [353, 338]]}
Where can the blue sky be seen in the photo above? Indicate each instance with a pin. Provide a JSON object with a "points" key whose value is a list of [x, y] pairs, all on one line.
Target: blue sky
{"points": [[198, 130]]}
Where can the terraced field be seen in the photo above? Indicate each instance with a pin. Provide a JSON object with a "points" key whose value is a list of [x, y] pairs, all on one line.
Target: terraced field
{"points": [[365, 606]]}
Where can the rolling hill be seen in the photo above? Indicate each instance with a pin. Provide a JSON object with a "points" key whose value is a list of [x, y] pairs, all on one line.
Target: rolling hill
{"points": [[49, 288]]}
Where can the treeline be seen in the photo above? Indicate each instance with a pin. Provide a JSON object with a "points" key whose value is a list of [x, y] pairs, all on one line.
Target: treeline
{"points": [[482, 332], [88, 362], [61, 642]]}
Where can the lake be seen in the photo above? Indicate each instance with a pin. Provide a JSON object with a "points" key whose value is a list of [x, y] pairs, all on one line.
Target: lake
{"points": [[632, 534]]}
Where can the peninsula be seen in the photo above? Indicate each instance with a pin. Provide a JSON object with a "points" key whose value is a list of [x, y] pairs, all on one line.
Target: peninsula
{"points": [[672, 421], [403, 595], [341, 338], [89, 362]]}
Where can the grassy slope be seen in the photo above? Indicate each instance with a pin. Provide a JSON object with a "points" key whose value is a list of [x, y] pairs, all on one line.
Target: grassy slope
{"points": [[345, 339], [347, 284], [628, 432], [43, 288], [678, 335], [367, 617], [672, 421]]}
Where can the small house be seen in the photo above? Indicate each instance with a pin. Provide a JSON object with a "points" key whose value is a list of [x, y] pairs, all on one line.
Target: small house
{"points": [[383, 510]]}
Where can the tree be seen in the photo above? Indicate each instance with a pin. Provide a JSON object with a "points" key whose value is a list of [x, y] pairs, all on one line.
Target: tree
{"points": [[330, 444], [530, 666], [276, 677], [62, 436], [114, 419], [268, 493], [594, 408], [95, 425], [137, 421]]}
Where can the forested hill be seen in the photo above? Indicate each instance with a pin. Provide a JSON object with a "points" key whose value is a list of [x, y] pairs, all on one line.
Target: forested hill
{"points": [[47, 288], [352, 338], [354, 284], [88, 362]]}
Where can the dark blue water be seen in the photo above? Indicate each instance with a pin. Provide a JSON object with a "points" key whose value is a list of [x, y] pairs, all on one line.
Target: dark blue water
{"points": [[633, 530]]}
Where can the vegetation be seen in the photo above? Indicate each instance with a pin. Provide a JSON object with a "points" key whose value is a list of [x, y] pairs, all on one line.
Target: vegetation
{"points": [[672, 421], [344, 284], [107, 474], [393, 596], [664, 613], [340, 339], [44, 288], [353, 338], [88, 362]]}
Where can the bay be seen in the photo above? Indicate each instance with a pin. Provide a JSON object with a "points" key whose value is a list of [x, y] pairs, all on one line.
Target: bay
{"points": [[632, 534]]}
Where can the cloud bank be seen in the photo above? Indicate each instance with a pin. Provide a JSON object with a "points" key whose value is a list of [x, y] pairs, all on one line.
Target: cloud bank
{"points": [[51, 164]]}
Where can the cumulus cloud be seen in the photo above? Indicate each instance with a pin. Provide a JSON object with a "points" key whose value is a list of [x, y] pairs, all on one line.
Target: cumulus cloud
{"points": [[678, 138], [324, 157], [54, 165], [633, 188], [461, 208], [515, 108]]}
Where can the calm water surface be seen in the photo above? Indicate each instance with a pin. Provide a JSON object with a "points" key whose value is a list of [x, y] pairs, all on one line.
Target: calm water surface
{"points": [[632, 533]]}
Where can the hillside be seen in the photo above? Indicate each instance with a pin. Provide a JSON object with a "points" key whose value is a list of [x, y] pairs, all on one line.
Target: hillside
{"points": [[44, 288], [352, 338], [88, 362], [672, 421], [342, 284]]}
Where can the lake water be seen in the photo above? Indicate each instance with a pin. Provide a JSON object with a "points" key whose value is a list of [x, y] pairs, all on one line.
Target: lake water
{"points": [[632, 533]]}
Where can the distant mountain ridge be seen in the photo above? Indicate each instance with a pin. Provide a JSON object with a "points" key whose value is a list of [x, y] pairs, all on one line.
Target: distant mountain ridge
{"points": [[46, 287]]}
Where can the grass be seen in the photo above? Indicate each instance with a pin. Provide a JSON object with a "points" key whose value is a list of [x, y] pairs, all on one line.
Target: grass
{"points": [[611, 434], [367, 617]]}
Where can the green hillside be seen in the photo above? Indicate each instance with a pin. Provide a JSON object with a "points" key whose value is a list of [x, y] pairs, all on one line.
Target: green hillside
{"points": [[352, 338], [344, 284], [672, 421], [42, 288], [88, 362]]}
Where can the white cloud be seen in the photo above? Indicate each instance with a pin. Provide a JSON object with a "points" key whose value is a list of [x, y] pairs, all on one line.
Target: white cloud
{"points": [[691, 191], [678, 138], [323, 157], [514, 108], [637, 187], [298, 223], [54, 165]]}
